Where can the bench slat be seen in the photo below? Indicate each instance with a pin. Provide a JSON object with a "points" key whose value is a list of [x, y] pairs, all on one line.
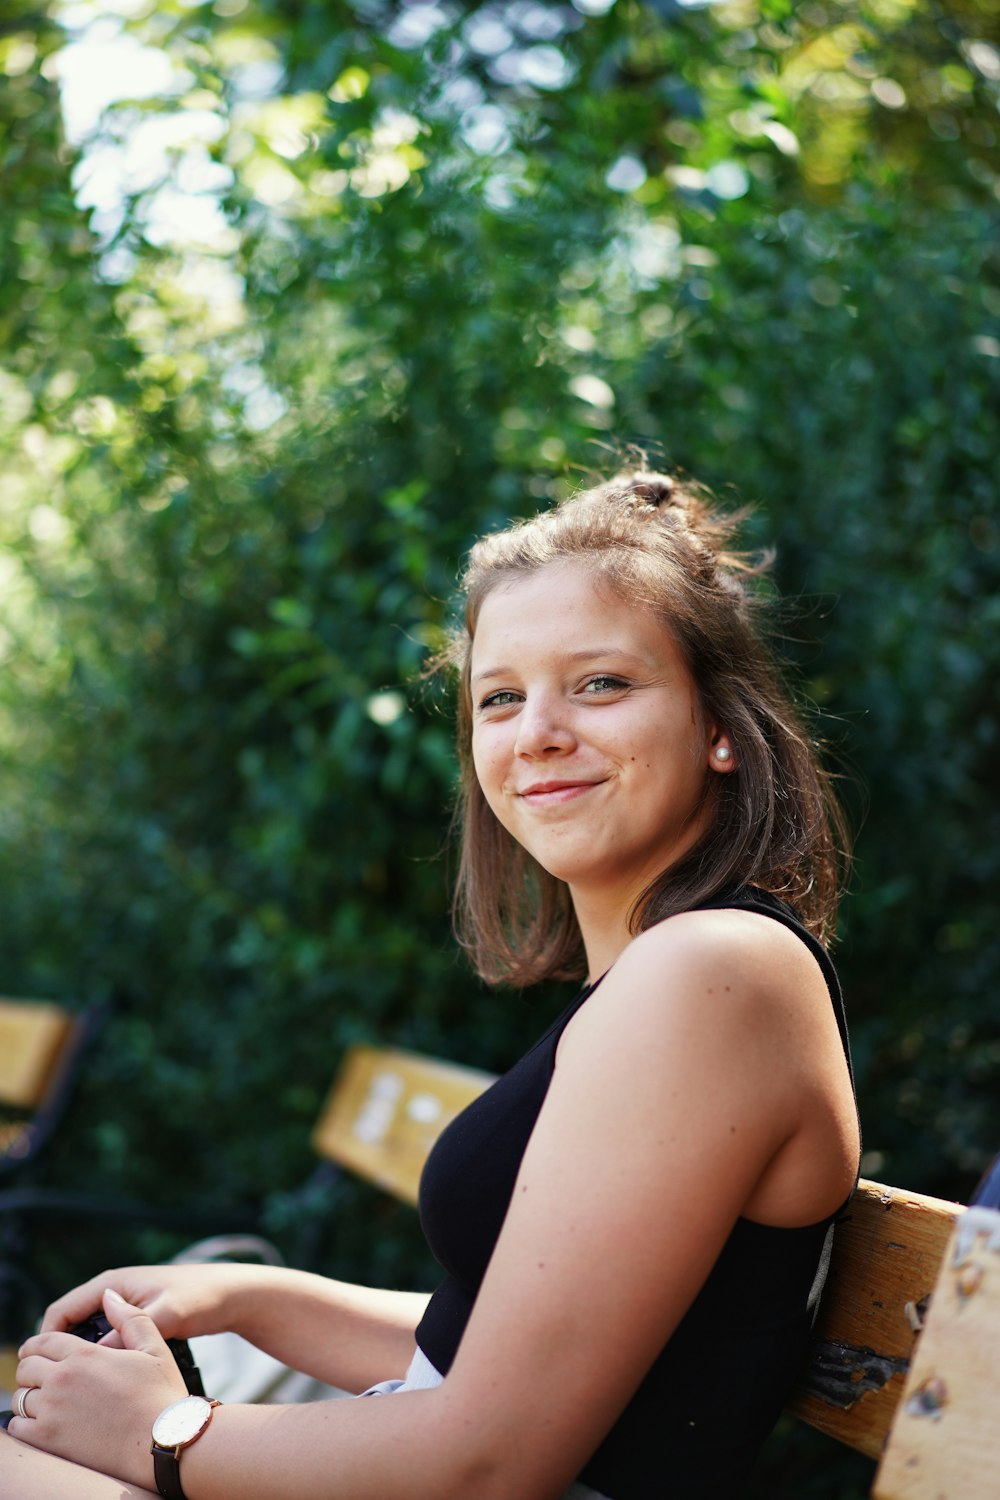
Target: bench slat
{"points": [[32, 1036], [887, 1252], [386, 1109], [946, 1438]]}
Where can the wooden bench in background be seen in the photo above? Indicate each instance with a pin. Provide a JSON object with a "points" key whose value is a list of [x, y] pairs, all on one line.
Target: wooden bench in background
{"points": [[38, 1045], [40, 1048], [43, 1047], [905, 1365]]}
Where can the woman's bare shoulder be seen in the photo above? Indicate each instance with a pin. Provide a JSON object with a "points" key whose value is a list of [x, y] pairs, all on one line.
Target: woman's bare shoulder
{"points": [[725, 954]]}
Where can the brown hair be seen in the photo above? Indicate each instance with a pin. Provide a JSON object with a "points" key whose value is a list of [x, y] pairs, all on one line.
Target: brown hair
{"points": [[776, 823]]}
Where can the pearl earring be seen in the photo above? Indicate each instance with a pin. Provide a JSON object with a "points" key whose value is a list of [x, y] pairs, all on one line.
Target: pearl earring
{"points": [[723, 753]]}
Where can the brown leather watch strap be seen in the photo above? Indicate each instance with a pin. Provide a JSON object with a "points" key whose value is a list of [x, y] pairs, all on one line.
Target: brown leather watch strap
{"points": [[166, 1459], [167, 1473]]}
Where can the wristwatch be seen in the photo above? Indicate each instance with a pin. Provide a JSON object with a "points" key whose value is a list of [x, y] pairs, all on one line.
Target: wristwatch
{"points": [[178, 1426]]}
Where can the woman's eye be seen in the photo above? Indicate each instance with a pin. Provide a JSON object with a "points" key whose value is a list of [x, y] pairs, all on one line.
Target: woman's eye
{"points": [[605, 683], [502, 699]]}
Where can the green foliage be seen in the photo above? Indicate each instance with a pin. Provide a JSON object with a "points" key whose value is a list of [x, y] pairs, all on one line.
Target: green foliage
{"points": [[441, 281]]}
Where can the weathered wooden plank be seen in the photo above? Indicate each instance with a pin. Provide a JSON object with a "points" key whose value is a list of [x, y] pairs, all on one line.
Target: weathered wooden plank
{"points": [[386, 1109], [887, 1253], [945, 1442]]}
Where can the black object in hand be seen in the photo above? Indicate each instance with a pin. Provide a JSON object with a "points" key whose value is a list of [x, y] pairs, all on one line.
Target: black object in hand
{"points": [[96, 1326]]}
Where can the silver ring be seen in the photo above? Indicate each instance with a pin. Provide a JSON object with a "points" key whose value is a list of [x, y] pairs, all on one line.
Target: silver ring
{"points": [[20, 1397]]}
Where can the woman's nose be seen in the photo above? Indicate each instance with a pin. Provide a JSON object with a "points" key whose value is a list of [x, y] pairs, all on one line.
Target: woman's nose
{"points": [[543, 728]]}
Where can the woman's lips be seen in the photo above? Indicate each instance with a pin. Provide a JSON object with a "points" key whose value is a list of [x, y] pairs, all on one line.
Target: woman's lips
{"points": [[545, 793]]}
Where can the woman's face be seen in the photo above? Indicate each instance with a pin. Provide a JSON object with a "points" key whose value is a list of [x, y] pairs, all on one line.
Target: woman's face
{"points": [[588, 737]]}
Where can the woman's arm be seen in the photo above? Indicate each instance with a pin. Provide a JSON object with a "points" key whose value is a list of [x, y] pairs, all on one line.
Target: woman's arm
{"points": [[674, 1107], [348, 1336]]}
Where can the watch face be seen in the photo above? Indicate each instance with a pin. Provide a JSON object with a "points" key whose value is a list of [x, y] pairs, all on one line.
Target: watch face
{"points": [[181, 1423]]}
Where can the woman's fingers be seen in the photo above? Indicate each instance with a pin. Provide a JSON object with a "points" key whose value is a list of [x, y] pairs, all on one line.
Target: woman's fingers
{"points": [[134, 1327], [44, 1349], [92, 1403], [19, 1401], [29, 1375], [75, 1306]]}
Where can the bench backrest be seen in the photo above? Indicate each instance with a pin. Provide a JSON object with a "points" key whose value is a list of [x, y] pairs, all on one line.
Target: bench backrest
{"points": [[39, 1046], [385, 1110], [888, 1250], [33, 1034]]}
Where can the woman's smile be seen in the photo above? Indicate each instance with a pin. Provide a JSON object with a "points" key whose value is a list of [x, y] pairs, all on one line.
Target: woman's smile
{"points": [[554, 793]]}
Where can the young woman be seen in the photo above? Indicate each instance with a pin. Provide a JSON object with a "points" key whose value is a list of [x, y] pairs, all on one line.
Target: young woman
{"points": [[635, 1221]]}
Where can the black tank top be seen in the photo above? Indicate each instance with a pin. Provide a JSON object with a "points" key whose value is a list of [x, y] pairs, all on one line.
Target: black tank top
{"points": [[697, 1419]]}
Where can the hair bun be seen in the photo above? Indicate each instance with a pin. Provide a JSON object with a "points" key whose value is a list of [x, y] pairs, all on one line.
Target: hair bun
{"points": [[652, 489]]}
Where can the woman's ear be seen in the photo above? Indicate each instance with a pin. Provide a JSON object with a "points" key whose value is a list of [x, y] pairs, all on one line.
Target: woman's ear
{"points": [[721, 755]]}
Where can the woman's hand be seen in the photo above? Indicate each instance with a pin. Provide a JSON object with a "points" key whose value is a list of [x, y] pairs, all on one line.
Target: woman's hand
{"points": [[96, 1405], [181, 1300], [347, 1336]]}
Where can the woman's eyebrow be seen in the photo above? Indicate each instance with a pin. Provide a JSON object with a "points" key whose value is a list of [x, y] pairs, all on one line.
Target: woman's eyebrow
{"points": [[489, 673], [584, 653]]}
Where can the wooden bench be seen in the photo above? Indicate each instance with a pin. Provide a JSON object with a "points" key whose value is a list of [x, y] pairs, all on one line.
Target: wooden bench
{"points": [[905, 1363], [40, 1047], [39, 1043], [42, 1050]]}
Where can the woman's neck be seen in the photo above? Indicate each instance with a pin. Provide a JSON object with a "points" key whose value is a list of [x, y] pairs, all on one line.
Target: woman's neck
{"points": [[603, 922]]}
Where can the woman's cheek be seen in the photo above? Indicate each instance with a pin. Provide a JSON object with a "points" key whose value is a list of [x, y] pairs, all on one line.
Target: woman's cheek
{"points": [[491, 781], [487, 761]]}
